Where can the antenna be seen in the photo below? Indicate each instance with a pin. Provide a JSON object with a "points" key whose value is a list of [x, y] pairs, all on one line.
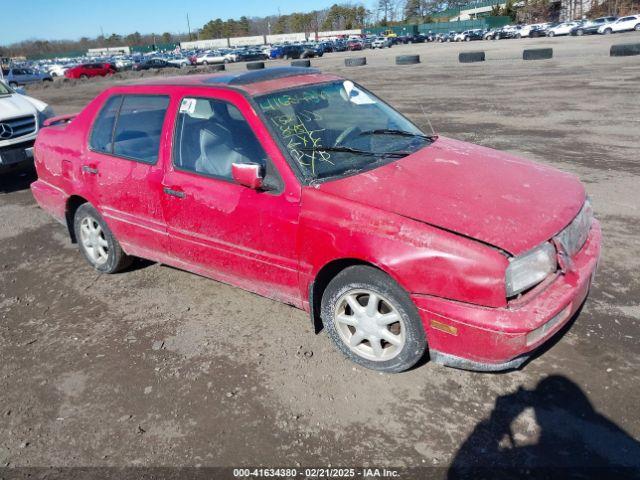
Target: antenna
{"points": [[428, 121]]}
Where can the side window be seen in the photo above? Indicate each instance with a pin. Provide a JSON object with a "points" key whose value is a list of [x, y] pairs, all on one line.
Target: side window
{"points": [[102, 133], [138, 128], [211, 135]]}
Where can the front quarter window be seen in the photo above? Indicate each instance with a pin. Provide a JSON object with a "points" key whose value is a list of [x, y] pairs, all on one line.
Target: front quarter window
{"points": [[336, 128]]}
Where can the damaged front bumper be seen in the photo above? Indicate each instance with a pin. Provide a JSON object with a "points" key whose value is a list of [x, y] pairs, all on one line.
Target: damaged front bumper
{"points": [[480, 338]]}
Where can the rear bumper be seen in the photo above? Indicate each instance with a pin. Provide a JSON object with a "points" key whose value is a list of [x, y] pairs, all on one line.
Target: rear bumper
{"points": [[490, 339], [51, 199]]}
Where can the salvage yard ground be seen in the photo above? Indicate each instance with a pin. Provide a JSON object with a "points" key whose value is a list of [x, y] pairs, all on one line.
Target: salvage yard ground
{"points": [[157, 366]]}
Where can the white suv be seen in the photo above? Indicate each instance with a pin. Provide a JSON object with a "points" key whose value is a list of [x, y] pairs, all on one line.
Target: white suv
{"points": [[623, 24], [20, 119]]}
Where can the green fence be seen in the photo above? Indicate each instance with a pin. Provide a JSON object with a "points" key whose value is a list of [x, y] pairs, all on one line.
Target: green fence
{"points": [[483, 23], [397, 29]]}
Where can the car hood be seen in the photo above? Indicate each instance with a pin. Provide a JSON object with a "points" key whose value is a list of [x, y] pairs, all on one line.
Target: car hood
{"points": [[490, 196], [15, 105]]}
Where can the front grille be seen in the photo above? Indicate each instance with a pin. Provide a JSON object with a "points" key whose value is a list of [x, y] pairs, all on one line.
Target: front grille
{"points": [[575, 235], [17, 127]]}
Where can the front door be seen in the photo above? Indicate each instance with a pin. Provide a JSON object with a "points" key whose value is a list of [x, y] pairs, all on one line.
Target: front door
{"points": [[217, 227]]}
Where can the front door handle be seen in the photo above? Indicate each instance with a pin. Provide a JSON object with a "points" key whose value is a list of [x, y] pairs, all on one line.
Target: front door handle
{"points": [[173, 193], [89, 169]]}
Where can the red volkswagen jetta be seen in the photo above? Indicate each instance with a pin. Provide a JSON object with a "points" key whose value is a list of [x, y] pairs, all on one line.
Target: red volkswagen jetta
{"points": [[306, 188]]}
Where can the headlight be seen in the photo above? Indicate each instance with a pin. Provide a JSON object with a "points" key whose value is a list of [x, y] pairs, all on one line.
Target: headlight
{"points": [[531, 268], [575, 235]]}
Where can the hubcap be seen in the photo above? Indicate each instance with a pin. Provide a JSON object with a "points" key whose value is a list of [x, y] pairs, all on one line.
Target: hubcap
{"points": [[94, 241], [370, 325]]}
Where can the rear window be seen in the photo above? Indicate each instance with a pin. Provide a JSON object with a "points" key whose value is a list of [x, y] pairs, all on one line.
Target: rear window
{"points": [[130, 126]]}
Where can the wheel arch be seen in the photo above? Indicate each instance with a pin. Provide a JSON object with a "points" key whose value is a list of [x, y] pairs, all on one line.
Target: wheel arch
{"points": [[73, 203], [327, 273]]}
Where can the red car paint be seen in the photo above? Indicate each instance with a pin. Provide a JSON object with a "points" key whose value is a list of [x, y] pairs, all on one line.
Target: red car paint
{"points": [[90, 70], [442, 222]]}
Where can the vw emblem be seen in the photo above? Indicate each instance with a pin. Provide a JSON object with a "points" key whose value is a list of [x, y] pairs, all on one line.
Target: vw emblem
{"points": [[6, 131]]}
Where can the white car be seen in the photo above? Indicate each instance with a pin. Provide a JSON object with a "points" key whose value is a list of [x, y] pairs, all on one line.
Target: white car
{"points": [[380, 42], [212, 58], [57, 70], [562, 29], [20, 119], [179, 62], [623, 24]]}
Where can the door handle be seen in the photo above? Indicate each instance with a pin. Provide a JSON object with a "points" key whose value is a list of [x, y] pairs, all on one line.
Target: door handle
{"points": [[173, 193], [89, 169]]}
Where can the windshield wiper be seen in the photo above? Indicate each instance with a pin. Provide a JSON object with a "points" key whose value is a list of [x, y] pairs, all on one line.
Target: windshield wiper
{"points": [[356, 151], [403, 133]]}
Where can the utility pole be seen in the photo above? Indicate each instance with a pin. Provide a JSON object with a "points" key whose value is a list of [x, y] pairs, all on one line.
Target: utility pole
{"points": [[189, 26]]}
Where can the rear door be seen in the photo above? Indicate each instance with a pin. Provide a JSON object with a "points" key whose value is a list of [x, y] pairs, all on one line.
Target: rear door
{"points": [[123, 167], [220, 228]]}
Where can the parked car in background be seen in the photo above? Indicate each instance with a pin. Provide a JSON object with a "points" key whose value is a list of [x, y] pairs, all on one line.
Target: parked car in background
{"points": [[469, 35], [249, 55], [562, 29], [17, 76], [340, 46], [177, 61], [537, 31], [591, 27], [446, 37], [377, 229], [354, 45], [57, 70], [88, 70], [287, 52], [20, 119], [150, 63], [624, 24], [381, 42], [213, 58]]}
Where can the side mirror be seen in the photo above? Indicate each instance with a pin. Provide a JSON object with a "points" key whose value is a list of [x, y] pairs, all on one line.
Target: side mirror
{"points": [[247, 174], [20, 90]]}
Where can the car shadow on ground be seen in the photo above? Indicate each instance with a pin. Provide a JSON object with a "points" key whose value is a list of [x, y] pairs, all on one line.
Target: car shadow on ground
{"points": [[17, 179], [571, 439]]}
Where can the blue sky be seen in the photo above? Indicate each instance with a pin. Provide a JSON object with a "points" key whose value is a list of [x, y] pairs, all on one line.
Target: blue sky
{"points": [[72, 19]]}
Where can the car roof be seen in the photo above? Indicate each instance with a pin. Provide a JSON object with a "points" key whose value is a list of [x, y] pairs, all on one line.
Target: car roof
{"points": [[255, 82]]}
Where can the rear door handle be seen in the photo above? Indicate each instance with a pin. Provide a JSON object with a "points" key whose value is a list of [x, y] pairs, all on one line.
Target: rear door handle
{"points": [[173, 193], [89, 169]]}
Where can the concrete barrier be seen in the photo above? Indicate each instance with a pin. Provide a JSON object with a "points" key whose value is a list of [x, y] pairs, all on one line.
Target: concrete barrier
{"points": [[537, 54], [255, 66], [470, 57], [624, 49], [301, 63], [407, 59], [355, 62]]}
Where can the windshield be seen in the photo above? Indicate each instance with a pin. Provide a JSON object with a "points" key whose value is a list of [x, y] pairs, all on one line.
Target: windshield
{"points": [[338, 128], [4, 90]]}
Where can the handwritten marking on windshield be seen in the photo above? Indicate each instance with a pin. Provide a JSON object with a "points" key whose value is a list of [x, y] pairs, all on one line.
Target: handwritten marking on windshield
{"points": [[303, 143]]}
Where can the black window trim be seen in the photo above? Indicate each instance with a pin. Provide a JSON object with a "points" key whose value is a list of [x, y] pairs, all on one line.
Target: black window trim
{"points": [[273, 171], [115, 124]]}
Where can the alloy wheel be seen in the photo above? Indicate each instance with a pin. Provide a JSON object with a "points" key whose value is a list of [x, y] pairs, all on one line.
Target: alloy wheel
{"points": [[369, 325], [94, 241]]}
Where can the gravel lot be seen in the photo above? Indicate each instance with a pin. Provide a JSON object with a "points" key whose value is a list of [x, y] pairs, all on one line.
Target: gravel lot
{"points": [[157, 366]]}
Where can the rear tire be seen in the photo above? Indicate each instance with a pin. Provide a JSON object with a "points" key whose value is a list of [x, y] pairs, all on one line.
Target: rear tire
{"points": [[13, 84], [97, 243], [83, 77], [384, 331], [608, 31]]}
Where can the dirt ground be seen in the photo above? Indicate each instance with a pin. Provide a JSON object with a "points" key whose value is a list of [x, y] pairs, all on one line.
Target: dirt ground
{"points": [[157, 366]]}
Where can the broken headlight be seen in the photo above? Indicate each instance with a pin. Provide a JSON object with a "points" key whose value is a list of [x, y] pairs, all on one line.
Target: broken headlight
{"points": [[531, 268]]}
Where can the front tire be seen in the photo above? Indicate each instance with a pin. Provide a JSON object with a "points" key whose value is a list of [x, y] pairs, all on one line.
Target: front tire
{"points": [[97, 243], [608, 31], [372, 320]]}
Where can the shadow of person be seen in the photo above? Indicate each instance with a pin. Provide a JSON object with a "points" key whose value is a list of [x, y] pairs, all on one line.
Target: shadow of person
{"points": [[16, 179], [551, 431]]}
